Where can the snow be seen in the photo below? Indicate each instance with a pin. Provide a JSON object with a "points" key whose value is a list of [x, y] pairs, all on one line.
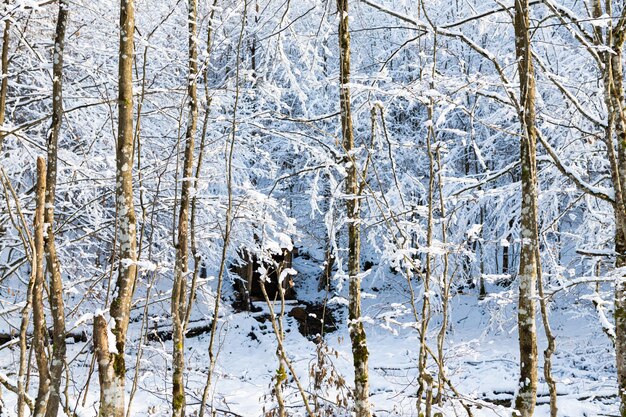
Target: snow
{"points": [[438, 68]]}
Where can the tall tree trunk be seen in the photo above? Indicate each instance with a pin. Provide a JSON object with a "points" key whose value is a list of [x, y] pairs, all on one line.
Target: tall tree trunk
{"points": [[527, 390], [4, 83], [179, 304], [425, 378], [5, 73], [360, 353], [57, 307], [40, 334], [611, 70], [111, 363], [616, 90]]}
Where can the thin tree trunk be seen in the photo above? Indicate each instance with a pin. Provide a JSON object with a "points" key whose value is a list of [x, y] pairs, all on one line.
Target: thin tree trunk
{"points": [[283, 360], [179, 291], [57, 306], [29, 248], [360, 353], [4, 83], [445, 287], [425, 378], [23, 361], [616, 126], [329, 263], [5, 74], [547, 353], [527, 389], [614, 61], [111, 362], [229, 206], [40, 334], [481, 283]]}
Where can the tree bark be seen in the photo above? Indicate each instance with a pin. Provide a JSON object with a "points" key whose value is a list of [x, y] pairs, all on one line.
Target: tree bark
{"points": [[613, 66], [111, 386], [4, 84], [611, 69], [550, 349], [40, 334], [527, 390], [425, 378], [179, 290], [57, 306], [111, 363], [360, 353]]}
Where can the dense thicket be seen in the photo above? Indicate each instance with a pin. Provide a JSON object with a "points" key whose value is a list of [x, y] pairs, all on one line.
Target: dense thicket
{"points": [[187, 141]]}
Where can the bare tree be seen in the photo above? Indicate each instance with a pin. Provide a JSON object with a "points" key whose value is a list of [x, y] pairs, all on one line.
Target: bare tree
{"points": [[40, 333], [360, 353], [527, 390], [612, 74], [605, 46], [57, 306], [4, 84], [111, 362], [29, 248], [179, 305]]}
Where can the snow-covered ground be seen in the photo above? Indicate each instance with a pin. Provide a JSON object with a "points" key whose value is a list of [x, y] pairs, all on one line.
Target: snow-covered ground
{"points": [[481, 358]]}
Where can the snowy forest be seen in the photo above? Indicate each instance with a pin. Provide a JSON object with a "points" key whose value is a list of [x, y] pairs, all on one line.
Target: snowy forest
{"points": [[272, 208]]}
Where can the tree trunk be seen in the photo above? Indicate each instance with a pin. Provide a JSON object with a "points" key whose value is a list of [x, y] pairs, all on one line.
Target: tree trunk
{"points": [[549, 351], [611, 69], [616, 91], [425, 378], [527, 390], [40, 334], [111, 363], [357, 332], [4, 67], [57, 307], [179, 304], [111, 385], [5, 73]]}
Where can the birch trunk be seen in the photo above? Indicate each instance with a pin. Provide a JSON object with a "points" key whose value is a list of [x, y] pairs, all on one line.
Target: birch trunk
{"points": [[111, 363], [179, 305], [360, 353], [527, 390]]}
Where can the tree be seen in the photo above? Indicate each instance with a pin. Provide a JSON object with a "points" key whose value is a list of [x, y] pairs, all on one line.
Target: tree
{"points": [[527, 390], [5, 71], [111, 362], [179, 304], [40, 336], [605, 45], [57, 306], [612, 76], [360, 353]]}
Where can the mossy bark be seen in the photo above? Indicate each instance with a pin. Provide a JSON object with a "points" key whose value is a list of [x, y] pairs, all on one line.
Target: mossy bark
{"points": [[611, 39], [57, 306], [357, 332], [527, 389], [111, 365], [4, 84], [178, 303]]}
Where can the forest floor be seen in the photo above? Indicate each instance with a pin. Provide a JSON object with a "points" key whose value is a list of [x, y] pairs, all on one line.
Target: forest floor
{"points": [[481, 357]]}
